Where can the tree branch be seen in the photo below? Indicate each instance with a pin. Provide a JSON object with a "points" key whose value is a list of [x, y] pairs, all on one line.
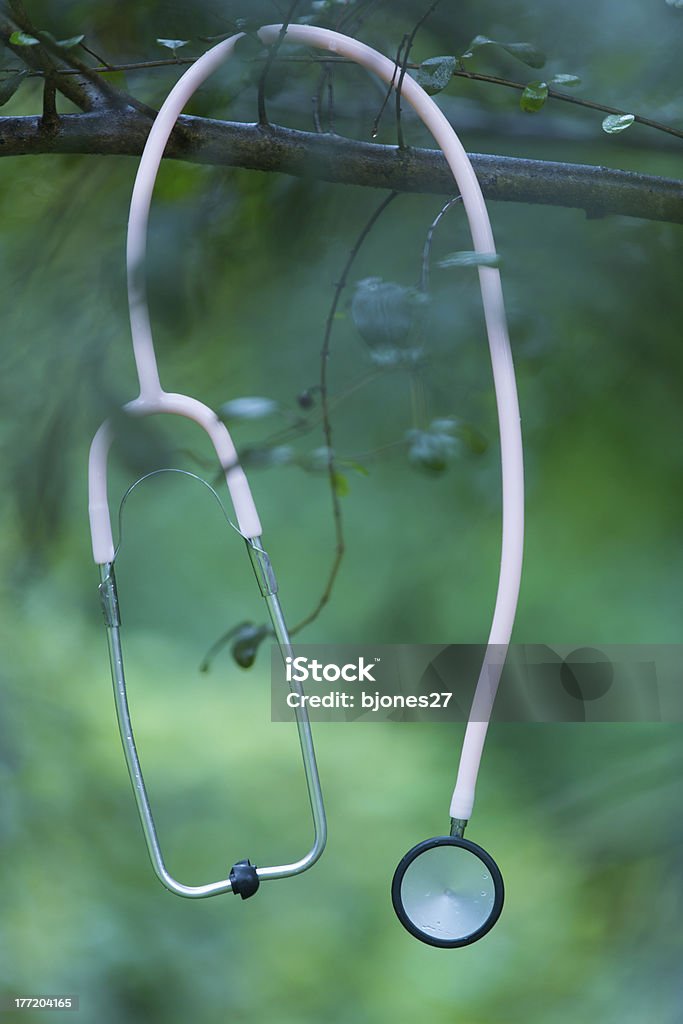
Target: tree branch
{"points": [[81, 84], [597, 190], [81, 92]]}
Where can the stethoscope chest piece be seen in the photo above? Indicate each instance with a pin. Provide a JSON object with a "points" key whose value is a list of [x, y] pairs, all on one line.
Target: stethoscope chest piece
{"points": [[447, 892]]}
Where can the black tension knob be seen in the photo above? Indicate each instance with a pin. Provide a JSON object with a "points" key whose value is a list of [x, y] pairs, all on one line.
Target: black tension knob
{"points": [[244, 879]]}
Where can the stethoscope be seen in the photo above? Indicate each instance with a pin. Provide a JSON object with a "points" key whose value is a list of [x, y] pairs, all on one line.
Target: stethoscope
{"points": [[446, 891]]}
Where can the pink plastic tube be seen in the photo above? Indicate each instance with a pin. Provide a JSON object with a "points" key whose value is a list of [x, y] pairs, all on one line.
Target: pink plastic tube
{"points": [[153, 399]]}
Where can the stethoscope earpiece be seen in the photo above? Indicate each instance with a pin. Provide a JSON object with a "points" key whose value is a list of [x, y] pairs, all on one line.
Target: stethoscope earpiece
{"points": [[447, 892]]}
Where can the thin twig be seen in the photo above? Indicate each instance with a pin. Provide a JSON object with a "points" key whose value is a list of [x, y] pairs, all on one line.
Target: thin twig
{"points": [[331, 119], [352, 20], [92, 90], [315, 104], [404, 68], [327, 425], [36, 58], [105, 69], [427, 250], [375, 453], [50, 118], [576, 100], [397, 63], [318, 99], [272, 54], [218, 645], [97, 57], [294, 431], [555, 94], [104, 94]]}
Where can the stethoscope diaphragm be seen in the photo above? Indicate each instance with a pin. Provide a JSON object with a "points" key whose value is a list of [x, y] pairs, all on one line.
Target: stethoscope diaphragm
{"points": [[447, 891]]}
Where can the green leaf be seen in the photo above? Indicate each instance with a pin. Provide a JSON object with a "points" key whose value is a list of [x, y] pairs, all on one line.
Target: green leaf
{"points": [[615, 123], [435, 73], [534, 96], [526, 52], [22, 39], [569, 81], [470, 259], [68, 44], [384, 313], [381, 312], [9, 86], [173, 44], [340, 484], [247, 641], [430, 451], [252, 408], [358, 467]]}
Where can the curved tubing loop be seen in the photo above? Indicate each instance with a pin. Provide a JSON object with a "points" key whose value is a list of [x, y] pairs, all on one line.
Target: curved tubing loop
{"points": [[153, 399], [178, 405], [512, 463]]}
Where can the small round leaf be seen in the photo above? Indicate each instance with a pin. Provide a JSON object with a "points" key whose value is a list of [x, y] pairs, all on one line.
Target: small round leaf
{"points": [[534, 96], [68, 44], [568, 81], [384, 313], [615, 123], [430, 451], [248, 408], [247, 641], [470, 259], [173, 44], [435, 73], [526, 52], [23, 39]]}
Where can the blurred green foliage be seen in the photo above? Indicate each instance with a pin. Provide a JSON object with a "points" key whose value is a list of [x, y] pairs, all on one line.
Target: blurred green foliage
{"points": [[584, 819]]}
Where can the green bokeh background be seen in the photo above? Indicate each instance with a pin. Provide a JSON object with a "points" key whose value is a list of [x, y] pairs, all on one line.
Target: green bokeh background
{"points": [[584, 820]]}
